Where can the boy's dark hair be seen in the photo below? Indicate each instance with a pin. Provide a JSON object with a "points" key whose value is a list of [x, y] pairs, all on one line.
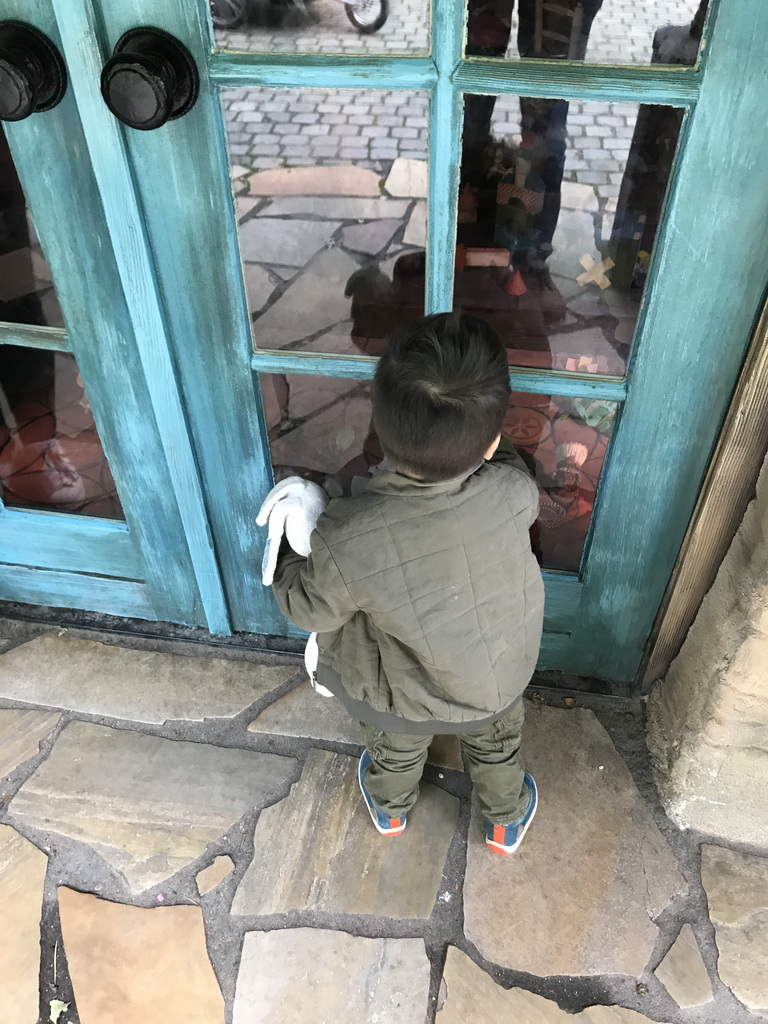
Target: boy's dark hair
{"points": [[440, 393]]}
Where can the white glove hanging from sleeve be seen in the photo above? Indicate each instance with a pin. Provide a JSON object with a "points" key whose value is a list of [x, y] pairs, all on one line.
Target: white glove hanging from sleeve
{"points": [[292, 508]]}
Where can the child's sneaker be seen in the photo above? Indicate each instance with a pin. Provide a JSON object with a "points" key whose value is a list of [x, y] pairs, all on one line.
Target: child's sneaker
{"points": [[384, 824], [507, 838]]}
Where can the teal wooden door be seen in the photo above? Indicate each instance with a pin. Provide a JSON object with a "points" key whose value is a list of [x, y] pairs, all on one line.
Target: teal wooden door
{"points": [[102, 506], [618, 406]]}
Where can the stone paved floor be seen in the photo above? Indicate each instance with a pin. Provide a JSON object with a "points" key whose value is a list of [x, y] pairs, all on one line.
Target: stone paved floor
{"points": [[271, 128], [216, 865]]}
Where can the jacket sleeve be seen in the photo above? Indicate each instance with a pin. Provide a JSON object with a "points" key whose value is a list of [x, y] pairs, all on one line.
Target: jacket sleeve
{"points": [[507, 455], [310, 591]]}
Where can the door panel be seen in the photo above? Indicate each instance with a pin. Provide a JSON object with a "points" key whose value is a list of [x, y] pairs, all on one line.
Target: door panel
{"points": [[321, 428], [56, 554], [182, 208], [333, 257], [50, 453], [702, 288], [557, 219], [27, 295]]}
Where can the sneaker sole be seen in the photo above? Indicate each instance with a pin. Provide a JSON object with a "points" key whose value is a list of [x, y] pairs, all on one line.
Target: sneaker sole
{"points": [[377, 826], [506, 850]]}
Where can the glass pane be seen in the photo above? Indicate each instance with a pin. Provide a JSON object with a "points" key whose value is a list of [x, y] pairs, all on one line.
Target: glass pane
{"points": [[322, 26], [332, 213], [557, 218], [597, 31], [26, 290], [50, 453], [320, 428]]}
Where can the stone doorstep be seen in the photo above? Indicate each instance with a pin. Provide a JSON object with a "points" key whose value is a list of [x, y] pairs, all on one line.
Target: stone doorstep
{"points": [[304, 713], [21, 732], [137, 686]]}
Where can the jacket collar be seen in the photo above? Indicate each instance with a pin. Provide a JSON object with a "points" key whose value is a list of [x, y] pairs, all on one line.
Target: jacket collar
{"points": [[387, 481]]}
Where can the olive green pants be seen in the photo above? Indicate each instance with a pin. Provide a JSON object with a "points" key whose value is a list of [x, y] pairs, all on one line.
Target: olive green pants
{"points": [[492, 753]]}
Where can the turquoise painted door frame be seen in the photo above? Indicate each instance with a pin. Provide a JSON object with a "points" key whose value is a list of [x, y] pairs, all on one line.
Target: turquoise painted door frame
{"points": [[175, 239]]}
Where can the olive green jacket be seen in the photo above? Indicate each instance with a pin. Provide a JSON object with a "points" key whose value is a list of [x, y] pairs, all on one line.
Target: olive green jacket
{"points": [[426, 597]]}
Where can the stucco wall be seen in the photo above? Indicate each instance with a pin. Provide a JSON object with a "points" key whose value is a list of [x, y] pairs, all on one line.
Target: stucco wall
{"points": [[708, 718]]}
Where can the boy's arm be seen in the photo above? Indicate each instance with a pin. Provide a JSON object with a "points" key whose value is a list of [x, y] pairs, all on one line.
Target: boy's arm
{"points": [[310, 591], [507, 455]]}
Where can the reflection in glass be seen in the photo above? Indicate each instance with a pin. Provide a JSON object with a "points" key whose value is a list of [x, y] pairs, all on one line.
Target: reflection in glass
{"points": [[598, 31], [322, 26], [26, 291], [321, 429], [332, 214], [50, 453], [557, 219]]}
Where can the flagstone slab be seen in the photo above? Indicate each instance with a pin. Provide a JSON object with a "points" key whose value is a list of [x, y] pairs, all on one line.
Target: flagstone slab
{"points": [[336, 207], [574, 238], [336, 860], [416, 231], [258, 286], [408, 178], [302, 712], [682, 971], [149, 806], [342, 180], [574, 196], [291, 243], [329, 977], [245, 204], [141, 686], [472, 995], [22, 876], [445, 752], [129, 965], [313, 302], [581, 894], [20, 734], [370, 238], [737, 891], [207, 879]]}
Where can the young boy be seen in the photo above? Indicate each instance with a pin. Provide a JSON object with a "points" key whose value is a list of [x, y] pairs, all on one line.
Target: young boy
{"points": [[423, 589]]}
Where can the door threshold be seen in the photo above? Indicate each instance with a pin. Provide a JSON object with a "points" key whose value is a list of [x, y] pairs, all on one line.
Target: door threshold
{"points": [[547, 684]]}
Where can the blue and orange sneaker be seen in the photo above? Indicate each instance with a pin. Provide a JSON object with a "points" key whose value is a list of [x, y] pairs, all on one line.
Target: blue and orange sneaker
{"points": [[507, 838], [384, 824]]}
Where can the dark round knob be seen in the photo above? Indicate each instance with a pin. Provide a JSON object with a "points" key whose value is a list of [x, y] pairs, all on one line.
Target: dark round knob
{"points": [[32, 73], [149, 79]]}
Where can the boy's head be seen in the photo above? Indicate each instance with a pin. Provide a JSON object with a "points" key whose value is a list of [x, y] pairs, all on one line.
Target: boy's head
{"points": [[440, 394]]}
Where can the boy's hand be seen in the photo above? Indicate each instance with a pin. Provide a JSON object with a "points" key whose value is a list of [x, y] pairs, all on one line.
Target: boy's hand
{"points": [[292, 507]]}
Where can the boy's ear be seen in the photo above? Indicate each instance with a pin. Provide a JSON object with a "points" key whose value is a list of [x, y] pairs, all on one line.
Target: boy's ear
{"points": [[492, 450]]}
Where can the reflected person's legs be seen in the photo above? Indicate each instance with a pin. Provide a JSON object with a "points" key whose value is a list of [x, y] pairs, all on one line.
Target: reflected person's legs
{"points": [[550, 34], [549, 31]]}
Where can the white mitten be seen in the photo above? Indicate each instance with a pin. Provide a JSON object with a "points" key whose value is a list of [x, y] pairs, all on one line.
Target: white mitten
{"points": [[311, 657], [292, 507]]}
